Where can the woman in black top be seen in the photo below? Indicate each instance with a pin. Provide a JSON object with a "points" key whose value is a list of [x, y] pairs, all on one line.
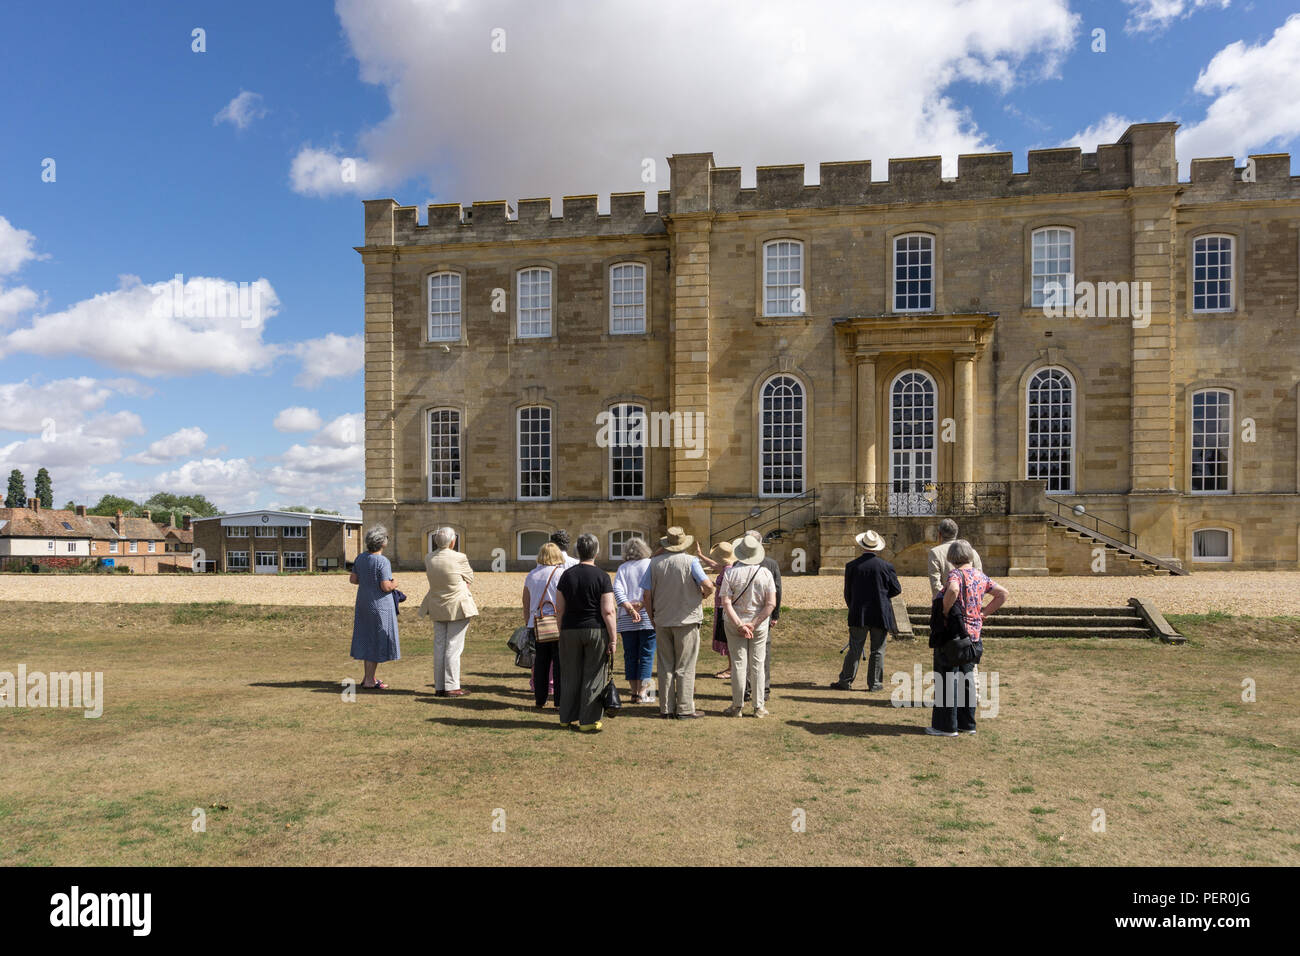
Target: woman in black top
{"points": [[584, 603]]}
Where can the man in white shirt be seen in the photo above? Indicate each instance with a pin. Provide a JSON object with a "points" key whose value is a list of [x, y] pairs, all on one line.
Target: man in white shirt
{"points": [[561, 540]]}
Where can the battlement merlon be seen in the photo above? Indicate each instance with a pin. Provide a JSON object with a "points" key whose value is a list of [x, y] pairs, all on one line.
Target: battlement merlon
{"points": [[1143, 158]]}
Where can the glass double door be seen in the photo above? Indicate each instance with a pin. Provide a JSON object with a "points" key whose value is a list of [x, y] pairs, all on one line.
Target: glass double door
{"points": [[912, 422]]}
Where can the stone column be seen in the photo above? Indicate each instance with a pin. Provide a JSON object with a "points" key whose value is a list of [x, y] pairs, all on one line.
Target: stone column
{"points": [[380, 257], [964, 407], [866, 420]]}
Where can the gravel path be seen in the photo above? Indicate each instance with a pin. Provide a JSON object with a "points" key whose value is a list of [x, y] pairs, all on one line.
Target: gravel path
{"points": [[1253, 593]]}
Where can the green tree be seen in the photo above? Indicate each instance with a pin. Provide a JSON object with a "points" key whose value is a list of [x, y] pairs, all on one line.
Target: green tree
{"points": [[196, 505], [70, 506], [17, 496], [297, 509], [110, 505], [324, 511], [44, 489]]}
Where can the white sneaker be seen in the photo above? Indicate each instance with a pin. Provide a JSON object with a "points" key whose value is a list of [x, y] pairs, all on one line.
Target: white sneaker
{"points": [[971, 731], [940, 733]]}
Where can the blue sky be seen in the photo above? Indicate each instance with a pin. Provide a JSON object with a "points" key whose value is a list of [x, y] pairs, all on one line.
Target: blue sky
{"points": [[223, 166]]}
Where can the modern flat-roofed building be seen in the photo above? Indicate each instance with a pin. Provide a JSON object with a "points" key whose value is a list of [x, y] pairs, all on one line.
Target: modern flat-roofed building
{"points": [[1088, 355], [271, 542]]}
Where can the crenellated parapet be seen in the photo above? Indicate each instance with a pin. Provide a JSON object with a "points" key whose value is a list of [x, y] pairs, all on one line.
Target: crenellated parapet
{"points": [[1143, 158]]}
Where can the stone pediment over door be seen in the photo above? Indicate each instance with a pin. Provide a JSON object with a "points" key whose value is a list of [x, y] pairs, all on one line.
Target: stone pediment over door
{"points": [[961, 333]]}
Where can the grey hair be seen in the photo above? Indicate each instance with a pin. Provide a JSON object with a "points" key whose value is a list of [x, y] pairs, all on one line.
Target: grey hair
{"points": [[947, 529], [376, 538], [960, 552], [588, 547], [443, 538], [634, 549]]}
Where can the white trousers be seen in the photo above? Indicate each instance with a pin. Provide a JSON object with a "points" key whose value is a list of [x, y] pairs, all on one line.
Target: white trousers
{"points": [[448, 642]]}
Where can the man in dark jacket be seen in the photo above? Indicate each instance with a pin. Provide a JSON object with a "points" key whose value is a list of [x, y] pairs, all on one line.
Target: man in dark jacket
{"points": [[869, 583]]}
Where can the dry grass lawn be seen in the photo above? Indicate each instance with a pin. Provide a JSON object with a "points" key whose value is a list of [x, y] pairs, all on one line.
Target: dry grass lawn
{"points": [[237, 710]]}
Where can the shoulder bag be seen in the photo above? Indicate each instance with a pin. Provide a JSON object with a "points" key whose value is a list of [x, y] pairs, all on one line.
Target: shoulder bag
{"points": [[547, 626]]}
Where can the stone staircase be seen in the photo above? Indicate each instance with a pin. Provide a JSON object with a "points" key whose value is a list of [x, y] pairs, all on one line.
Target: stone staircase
{"points": [[1138, 619], [1121, 557]]}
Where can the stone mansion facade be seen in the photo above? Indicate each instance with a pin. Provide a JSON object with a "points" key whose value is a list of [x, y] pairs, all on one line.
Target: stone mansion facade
{"points": [[1091, 340]]}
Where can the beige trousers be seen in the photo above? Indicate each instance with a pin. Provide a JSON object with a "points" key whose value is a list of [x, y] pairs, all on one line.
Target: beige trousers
{"points": [[748, 659], [678, 648]]}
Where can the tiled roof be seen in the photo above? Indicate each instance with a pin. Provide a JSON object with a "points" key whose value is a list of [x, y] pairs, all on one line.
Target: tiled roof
{"points": [[133, 529], [180, 534], [26, 523]]}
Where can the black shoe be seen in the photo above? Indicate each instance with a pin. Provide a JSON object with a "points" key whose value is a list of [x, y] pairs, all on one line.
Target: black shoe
{"points": [[668, 716], [840, 685], [767, 693], [876, 687]]}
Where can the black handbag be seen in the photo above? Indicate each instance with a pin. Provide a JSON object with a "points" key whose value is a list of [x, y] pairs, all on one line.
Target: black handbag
{"points": [[524, 643], [610, 695], [948, 633]]}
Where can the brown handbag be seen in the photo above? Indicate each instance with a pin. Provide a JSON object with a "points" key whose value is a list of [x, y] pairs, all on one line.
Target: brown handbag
{"points": [[546, 626]]}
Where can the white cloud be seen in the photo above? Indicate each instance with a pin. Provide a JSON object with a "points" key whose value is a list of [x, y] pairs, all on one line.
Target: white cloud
{"points": [[1154, 16], [14, 302], [15, 247], [334, 356], [297, 419], [242, 110], [343, 432], [96, 441], [186, 441], [231, 482], [161, 329], [29, 407], [853, 79], [1252, 110], [1108, 129], [321, 172]]}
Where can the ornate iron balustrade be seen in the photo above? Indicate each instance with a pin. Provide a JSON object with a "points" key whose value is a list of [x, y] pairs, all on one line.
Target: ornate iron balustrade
{"points": [[916, 498]]}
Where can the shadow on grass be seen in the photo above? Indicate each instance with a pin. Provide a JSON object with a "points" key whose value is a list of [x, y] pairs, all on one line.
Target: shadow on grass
{"points": [[852, 729], [333, 687], [499, 724]]}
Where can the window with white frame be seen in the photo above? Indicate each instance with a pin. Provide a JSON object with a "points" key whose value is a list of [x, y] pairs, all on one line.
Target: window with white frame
{"points": [[153, 547], [627, 298], [133, 547], [49, 545], [237, 560], [236, 532], [1212, 441], [459, 545], [295, 560], [627, 444], [1049, 429], [781, 437], [266, 531], [1052, 272], [535, 452], [291, 531], [528, 543], [914, 273], [1212, 544], [112, 547], [534, 303], [444, 307], [783, 292], [618, 540], [1212, 274], [444, 454], [72, 546]]}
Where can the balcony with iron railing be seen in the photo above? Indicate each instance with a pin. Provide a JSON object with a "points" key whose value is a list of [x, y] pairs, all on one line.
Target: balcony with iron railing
{"points": [[914, 498]]}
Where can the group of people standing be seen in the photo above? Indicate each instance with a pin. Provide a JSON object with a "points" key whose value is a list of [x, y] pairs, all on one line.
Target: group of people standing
{"points": [[654, 604]]}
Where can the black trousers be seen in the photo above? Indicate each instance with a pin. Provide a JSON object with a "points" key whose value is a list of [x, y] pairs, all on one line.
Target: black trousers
{"points": [[547, 654], [954, 696]]}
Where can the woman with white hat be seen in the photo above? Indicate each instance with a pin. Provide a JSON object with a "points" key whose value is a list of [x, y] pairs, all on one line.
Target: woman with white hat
{"points": [[748, 599]]}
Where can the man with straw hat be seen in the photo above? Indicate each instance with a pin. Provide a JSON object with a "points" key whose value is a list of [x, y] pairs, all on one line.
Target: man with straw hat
{"points": [[869, 583], [674, 585], [748, 598]]}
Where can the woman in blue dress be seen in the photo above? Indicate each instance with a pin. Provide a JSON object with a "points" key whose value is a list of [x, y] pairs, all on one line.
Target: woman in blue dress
{"points": [[374, 622]]}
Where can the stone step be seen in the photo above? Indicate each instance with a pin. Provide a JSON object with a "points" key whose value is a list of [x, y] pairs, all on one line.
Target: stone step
{"points": [[1043, 620], [1080, 633], [1048, 611]]}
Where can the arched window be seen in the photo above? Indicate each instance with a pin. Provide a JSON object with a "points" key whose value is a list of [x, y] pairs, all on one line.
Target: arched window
{"points": [[535, 452], [444, 307], [627, 443], [1212, 274], [1052, 251], [444, 454], [627, 298], [1211, 441], [783, 292], [912, 403], [914, 272], [781, 437], [619, 538], [534, 303], [528, 543], [1049, 429]]}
